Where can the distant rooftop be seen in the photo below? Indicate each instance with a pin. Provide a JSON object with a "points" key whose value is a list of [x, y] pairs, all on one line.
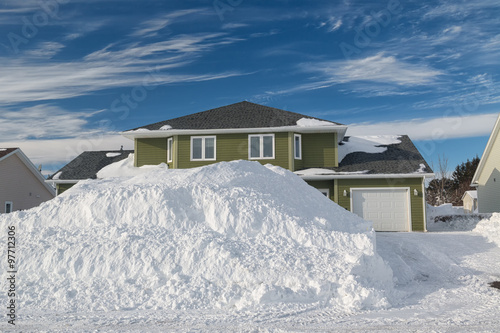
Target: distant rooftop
{"points": [[87, 164]]}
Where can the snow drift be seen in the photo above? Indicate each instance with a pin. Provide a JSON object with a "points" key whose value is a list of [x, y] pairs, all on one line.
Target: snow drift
{"points": [[230, 235], [490, 228]]}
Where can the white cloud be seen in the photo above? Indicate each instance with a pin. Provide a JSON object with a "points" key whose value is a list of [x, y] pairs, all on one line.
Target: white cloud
{"points": [[152, 27], [42, 121], [60, 152], [378, 68], [332, 24], [45, 50], [114, 66], [446, 127]]}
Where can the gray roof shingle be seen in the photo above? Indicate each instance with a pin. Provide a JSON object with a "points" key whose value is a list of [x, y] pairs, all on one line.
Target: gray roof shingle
{"points": [[7, 151], [87, 164], [238, 115], [399, 158]]}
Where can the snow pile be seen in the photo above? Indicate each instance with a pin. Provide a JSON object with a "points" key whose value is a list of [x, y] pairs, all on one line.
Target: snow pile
{"points": [[125, 168], [367, 144], [447, 217], [490, 228], [234, 235], [309, 122]]}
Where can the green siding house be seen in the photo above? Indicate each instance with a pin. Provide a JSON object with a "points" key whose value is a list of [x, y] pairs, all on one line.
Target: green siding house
{"points": [[379, 178]]}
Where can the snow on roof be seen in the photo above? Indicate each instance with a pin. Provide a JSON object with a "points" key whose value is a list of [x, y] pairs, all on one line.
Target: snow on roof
{"points": [[325, 172], [125, 168], [367, 144], [472, 194], [309, 122], [57, 175], [165, 128], [232, 235], [422, 168], [113, 154]]}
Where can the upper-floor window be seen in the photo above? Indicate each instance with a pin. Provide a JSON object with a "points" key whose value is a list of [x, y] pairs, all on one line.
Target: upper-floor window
{"points": [[297, 144], [260, 146], [169, 150], [203, 148]]}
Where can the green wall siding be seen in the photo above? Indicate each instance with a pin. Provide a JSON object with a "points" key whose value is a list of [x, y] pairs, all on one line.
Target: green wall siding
{"points": [[150, 151], [231, 147], [329, 184], [319, 150], [63, 187], [417, 204]]}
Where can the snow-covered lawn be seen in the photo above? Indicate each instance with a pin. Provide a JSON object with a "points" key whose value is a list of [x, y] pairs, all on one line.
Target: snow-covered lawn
{"points": [[442, 285], [240, 247]]}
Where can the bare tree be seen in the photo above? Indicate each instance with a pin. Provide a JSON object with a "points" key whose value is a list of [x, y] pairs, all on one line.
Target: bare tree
{"points": [[443, 175]]}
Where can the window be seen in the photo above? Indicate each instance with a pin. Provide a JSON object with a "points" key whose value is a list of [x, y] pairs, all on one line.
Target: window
{"points": [[169, 150], [8, 206], [325, 192], [261, 146], [297, 144], [203, 148]]}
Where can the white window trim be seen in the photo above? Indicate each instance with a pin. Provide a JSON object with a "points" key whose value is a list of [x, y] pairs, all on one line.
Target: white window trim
{"points": [[300, 147], [11, 206], [203, 148], [325, 190], [170, 144], [261, 148]]}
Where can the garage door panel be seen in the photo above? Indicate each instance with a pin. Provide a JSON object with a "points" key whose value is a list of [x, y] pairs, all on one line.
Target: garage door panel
{"points": [[386, 208]]}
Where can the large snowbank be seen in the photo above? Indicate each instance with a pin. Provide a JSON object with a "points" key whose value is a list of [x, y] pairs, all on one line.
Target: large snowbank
{"points": [[234, 235], [490, 228]]}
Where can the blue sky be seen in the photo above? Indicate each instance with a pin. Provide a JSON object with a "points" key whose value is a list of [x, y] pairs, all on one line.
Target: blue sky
{"points": [[74, 73]]}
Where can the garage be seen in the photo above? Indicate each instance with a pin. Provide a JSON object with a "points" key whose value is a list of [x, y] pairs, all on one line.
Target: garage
{"points": [[387, 208]]}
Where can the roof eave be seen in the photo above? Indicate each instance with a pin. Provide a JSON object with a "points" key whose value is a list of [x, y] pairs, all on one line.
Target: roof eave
{"points": [[367, 176], [487, 150], [340, 129]]}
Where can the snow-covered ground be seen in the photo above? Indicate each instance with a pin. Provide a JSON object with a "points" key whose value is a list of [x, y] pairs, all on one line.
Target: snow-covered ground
{"points": [[88, 262]]}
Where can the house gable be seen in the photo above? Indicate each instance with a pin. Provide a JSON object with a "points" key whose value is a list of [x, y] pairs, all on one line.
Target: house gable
{"points": [[487, 176], [20, 181]]}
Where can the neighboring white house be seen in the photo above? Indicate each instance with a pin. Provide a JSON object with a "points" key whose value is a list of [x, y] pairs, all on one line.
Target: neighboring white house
{"points": [[470, 201], [22, 186], [487, 176]]}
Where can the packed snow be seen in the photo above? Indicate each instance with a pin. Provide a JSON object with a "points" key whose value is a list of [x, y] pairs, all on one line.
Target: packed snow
{"points": [[368, 144], [113, 154], [211, 249], [232, 236], [490, 228], [309, 122]]}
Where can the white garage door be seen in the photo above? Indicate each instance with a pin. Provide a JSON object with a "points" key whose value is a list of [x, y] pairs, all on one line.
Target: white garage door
{"points": [[387, 208]]}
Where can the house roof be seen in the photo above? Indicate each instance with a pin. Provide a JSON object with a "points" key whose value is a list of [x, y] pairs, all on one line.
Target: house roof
{"points": [[401, 158], [87, 164], [239, 115], [7, 152], [472, 194], [493, 138]]}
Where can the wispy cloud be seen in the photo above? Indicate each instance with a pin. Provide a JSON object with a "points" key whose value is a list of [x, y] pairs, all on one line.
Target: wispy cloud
{"points": [[45, 50], [111, 67], [431, 129], [378, 68], [152, 27], [331, 24], [43, 121]]}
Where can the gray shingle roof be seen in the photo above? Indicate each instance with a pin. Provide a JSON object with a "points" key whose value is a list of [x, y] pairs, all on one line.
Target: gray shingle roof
{"points": [[399, 158], [238, 115], [87, 164], [7, 151]]}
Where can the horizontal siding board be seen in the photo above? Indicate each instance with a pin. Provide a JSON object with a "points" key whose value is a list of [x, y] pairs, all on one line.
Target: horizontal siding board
{"points": [[151, 151], [323, 184], [416, 201], [319, 150], [230, 147]]}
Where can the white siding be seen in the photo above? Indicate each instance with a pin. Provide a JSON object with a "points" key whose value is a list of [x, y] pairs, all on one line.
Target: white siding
{"points": [[488, 190], [20, 186]]}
